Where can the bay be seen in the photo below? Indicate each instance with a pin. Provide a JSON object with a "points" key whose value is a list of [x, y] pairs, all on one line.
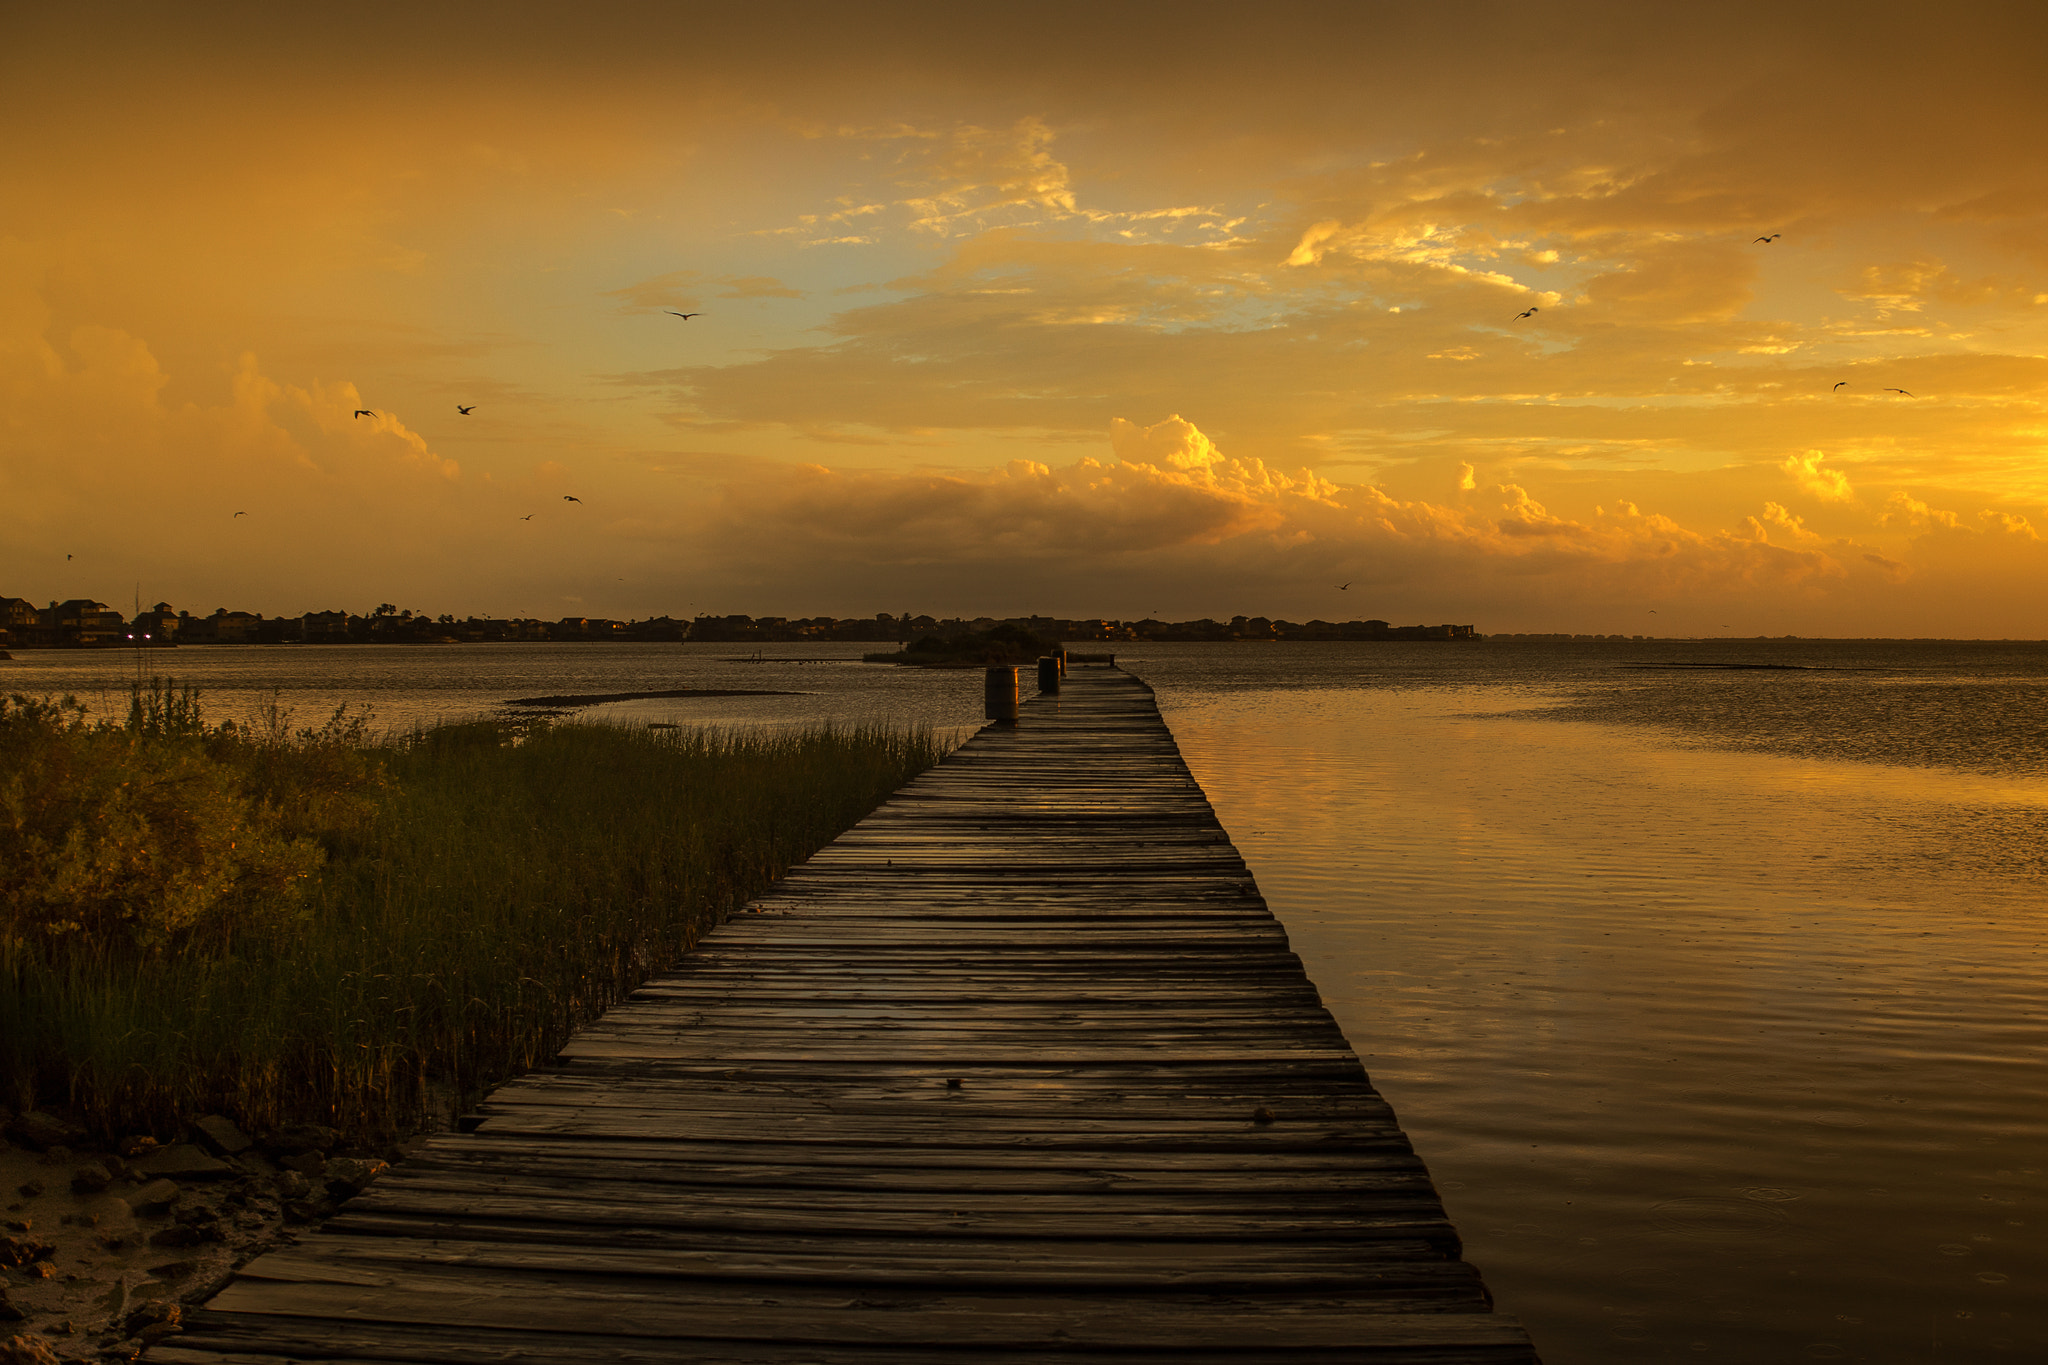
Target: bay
{"points": [[1712, 996]]}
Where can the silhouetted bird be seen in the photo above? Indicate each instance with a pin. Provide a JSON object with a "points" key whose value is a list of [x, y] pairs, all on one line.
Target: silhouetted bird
{"points": [[1768, 240], [465, 411], [529, 516], [238, 514], [67, 559], [1531, 313], [1345, 587], [364, 412], [1909, 395], [684, 316], [1838, 386], [568, 498]]}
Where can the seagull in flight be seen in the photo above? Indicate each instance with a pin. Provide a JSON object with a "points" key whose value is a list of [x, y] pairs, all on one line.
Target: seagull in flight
{"points": [[1768, 240], [529, 516], [1345, 587], [566, 497], [364, 412], [1533, 309], [465, 411], [238, 514], [684, 316], [1838, 386], [1903, 391]]}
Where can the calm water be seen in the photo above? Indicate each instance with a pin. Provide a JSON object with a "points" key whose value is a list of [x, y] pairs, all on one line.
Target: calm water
{"points": [[1713, 999]]}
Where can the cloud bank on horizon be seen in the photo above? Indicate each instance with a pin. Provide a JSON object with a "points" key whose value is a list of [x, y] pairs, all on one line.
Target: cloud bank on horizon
{"points": [[1036, 325]]}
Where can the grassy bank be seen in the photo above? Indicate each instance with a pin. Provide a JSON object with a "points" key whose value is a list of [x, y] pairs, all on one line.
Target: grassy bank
{"points": [[291, 926]]}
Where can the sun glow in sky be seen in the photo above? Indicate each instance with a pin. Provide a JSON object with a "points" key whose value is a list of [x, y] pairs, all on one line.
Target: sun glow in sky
{"points": [[1073, 309]]}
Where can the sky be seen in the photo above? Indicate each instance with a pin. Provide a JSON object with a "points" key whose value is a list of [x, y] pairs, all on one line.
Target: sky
{"points": [[1083, 310]]}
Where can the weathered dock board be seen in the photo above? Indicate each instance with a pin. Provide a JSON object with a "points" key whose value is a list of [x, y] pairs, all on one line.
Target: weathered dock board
{"points": [[1018, 1069]]}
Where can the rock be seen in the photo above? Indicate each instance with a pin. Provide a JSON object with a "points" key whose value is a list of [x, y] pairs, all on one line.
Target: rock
{"points": [[154, 1313], [308, 1210], [184, 1162], [157, 1194], [139, 1145], [307, 1164], [181, 1235], [292, 1185], [8, 1312], [30, 1188], [302, 1137], [27, 1350], [347, 1177], [174, 1270], [44, 1131], [17, 1224], [220, 1136], [23, 1250], [90, 1180], [39, 1270]]}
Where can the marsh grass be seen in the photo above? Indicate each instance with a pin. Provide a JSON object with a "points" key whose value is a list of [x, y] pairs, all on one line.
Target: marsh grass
{"points": [[481, 891]]}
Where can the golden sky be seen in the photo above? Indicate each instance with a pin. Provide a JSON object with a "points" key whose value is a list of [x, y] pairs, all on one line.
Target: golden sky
{"points": [[1189, 310]]}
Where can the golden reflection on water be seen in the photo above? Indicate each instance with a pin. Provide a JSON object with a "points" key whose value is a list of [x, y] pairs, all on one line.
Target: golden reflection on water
{"points": [[1715, 1055]]}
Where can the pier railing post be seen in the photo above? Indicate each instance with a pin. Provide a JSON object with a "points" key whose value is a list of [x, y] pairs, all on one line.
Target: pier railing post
{"points": [[1049, 674], [999, 694]]}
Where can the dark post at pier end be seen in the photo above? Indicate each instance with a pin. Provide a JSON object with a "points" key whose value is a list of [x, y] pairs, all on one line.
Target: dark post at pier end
{"points": [[1049, 674], [999, 693]]}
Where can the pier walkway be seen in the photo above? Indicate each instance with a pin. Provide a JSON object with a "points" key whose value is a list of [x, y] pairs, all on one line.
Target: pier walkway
{"points": [[1019, 1069]]}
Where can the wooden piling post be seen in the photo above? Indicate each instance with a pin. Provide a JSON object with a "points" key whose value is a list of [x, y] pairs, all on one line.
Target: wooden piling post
{"points": [[1049, 674], [999, 694]]}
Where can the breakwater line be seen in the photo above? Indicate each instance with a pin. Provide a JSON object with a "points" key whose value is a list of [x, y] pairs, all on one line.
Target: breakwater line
{"points": [[1019, 1067]]}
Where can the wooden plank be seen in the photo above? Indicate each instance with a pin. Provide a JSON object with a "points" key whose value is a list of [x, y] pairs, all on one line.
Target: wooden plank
{"points": [[1021, 1068]]}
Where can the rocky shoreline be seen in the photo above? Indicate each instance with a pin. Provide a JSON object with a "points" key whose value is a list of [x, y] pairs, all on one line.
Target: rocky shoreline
{"points": [[103, 1248]]}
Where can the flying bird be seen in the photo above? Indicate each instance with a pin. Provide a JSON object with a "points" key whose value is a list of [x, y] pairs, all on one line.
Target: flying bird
{"points": [[364, 412], [529, 516], [1906, 392], [1345, 587], [1838, 386], [465, 411], [684, 316], [238, 514], [1532, 310], [566, 497], [1768, 240]]}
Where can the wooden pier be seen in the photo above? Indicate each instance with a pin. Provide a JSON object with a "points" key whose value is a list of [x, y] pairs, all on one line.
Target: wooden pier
{"points": [[1019, 1069]]}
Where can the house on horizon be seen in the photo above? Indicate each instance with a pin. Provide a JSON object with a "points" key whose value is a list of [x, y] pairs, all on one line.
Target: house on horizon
{"points": [[85, 624]]}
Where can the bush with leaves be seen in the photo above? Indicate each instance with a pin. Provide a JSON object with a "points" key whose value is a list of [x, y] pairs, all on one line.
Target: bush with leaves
{"points": [[162, 832]]}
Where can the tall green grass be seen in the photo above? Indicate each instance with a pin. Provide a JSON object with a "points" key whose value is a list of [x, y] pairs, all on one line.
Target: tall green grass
{"points": [[452, 906]]}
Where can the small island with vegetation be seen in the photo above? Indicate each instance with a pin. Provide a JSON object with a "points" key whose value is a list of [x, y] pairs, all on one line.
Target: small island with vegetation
{"points": [[1001, 644]]}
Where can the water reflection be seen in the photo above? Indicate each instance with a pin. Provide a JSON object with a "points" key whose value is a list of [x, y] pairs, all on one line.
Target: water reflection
{"points": [[1719, 1055]]}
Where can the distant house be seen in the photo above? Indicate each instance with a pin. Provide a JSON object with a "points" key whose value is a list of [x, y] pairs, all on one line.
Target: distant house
{"points": [[20, 622], [86, 624], [157, 626], [324, 627], [224, 627]]}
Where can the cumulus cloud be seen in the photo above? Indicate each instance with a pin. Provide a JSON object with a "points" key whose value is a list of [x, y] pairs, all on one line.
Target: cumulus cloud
{"points": [[1829, 485], [1904, 510]]}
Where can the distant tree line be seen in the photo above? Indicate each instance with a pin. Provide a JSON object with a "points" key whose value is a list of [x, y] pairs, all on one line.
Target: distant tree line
{"points": [[82, 623]]}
